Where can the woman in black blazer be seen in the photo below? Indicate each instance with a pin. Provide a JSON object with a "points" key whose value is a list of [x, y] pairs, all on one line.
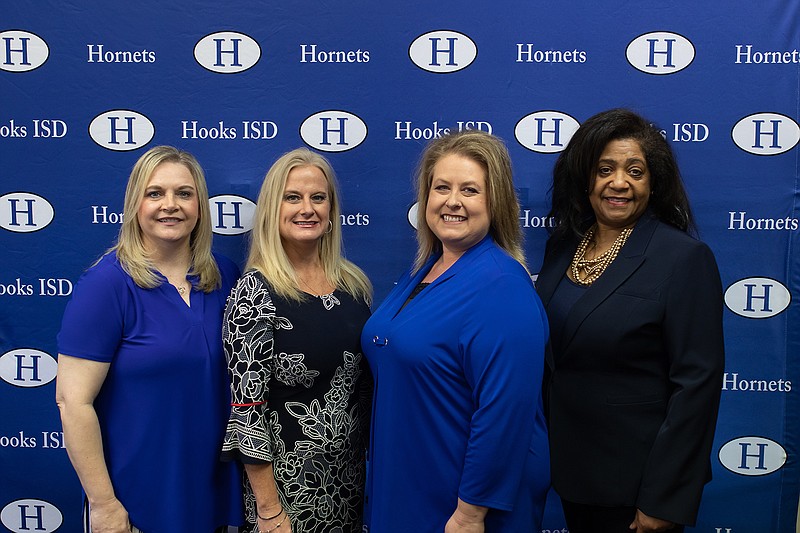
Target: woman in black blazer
{"points": [[635, 308]]}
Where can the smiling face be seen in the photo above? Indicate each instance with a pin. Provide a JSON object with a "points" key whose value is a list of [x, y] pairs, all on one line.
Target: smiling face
{"points": [[169, 210], [458, 210], [305, 207], [620, 188]]}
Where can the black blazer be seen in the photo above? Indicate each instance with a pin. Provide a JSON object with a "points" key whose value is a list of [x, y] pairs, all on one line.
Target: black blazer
{"points": [[635, 377]]}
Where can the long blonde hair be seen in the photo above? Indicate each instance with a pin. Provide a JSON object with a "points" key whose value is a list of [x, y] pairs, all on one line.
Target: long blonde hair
{"points": [[266, 250], [130, 248], [489, 152]]}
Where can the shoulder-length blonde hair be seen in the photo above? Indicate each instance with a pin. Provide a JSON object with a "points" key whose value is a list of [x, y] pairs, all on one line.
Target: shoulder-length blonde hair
{"points": [[266, 249], [130, 247], [501, 201]]}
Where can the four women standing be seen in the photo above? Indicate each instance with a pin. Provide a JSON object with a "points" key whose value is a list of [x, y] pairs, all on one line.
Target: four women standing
{"points": [[456, 351]]}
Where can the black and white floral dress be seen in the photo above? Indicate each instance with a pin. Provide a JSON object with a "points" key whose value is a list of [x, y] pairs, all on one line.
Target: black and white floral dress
{"points": [[301, 391]]}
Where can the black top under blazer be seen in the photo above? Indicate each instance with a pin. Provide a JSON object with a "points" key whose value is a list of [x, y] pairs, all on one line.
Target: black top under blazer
{"points": [[634, 390]]}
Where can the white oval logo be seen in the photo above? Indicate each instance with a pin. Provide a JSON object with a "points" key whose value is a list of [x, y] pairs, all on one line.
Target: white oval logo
{"points": [[25, 516], [546, 132], [227, 52], [757, 297], [26, 367], [121, 130], [660, 52], [24, 212], [752, 456], [231, 214], [22, 51], [766, 134], [443, 51], [412, 215], [333, 131]]}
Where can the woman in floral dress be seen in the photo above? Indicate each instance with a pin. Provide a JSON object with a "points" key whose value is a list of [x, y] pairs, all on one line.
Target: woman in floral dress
{"points": [[300, 385]]}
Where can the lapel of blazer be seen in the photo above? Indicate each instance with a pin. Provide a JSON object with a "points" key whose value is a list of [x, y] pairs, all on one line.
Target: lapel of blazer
{"points": [[627, 262], [557, 258]]}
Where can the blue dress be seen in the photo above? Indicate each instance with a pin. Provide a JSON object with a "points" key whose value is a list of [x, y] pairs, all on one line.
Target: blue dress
{"points": [[165, 402], [457, 409]]}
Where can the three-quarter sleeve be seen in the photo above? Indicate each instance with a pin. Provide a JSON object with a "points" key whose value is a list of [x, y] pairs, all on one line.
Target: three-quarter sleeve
{"points": [[247, 339], [503, 347]]}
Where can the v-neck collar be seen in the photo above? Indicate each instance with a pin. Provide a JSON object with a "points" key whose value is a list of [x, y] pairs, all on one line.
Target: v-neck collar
{"points": [[461, 264]]}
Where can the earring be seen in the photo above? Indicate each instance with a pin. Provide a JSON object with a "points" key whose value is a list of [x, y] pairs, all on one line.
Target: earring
{"points": [[330, 226]]}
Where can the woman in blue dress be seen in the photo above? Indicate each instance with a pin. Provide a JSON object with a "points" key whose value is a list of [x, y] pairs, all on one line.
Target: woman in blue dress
{"points": [[300, 386], [458, 439], [142, 386]]}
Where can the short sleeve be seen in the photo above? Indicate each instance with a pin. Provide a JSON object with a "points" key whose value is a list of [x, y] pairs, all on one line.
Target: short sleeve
{"points": [[92, 325]]}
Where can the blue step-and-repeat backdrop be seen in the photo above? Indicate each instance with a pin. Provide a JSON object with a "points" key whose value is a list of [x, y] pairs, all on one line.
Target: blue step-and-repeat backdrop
{"points": [[86, 87]]}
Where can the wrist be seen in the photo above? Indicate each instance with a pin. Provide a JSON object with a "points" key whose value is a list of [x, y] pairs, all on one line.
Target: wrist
{"points": [[268, 506], [103, 500], [272, 523], [466, 513], [273, 513]]}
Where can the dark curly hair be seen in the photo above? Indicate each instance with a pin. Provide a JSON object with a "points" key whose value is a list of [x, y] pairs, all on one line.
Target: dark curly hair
{"points": [[577, 164]]}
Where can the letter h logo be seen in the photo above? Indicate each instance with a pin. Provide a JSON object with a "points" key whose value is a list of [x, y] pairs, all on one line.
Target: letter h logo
{"points": [[235, 213], [759, 455], [33, 367], [233, 52], [22, 50], [760, 129], [33, 513], [750, 296], [327, 128], [449, 50], [554, 130], [665, 51], [24, 207], [121, 124]]}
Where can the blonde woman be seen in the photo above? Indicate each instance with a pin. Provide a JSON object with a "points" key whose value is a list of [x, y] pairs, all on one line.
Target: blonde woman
{"points": [[141, 374], [300, 385], [459, 442]]}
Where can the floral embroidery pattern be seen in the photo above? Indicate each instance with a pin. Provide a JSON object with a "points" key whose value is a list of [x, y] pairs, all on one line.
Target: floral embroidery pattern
{"points": [[290, 369], [315, 443], [329, 300]]}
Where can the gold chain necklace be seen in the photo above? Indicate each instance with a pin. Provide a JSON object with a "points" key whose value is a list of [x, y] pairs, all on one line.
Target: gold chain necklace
{"points": [[311, 289], [594, 268]]}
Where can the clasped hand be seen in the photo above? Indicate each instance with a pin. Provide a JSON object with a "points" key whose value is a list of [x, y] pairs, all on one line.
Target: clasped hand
{"points": [[643, 523]]}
